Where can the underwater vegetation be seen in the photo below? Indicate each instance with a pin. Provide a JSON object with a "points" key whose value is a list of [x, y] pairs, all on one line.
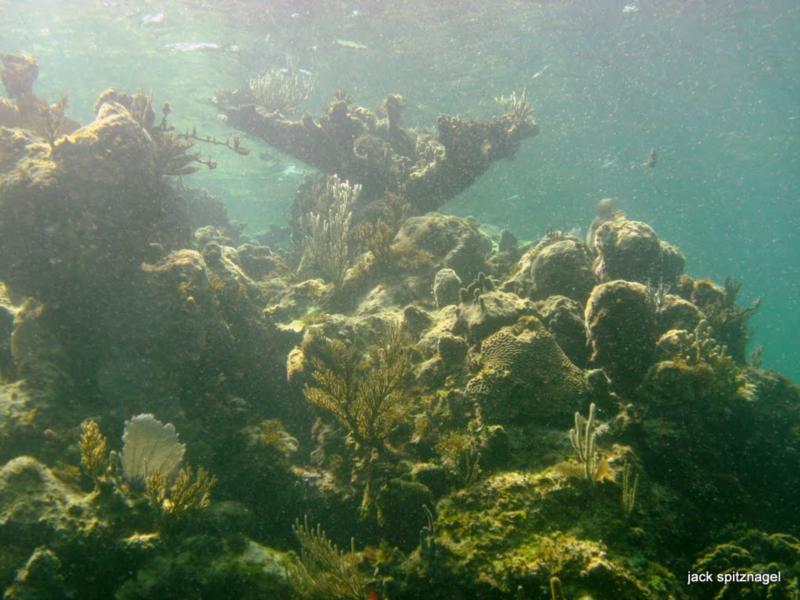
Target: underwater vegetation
{"points": [[395, 406]]}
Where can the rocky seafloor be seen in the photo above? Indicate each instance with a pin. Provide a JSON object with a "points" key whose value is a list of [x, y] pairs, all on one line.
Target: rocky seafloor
{"points": [[415, 409]]}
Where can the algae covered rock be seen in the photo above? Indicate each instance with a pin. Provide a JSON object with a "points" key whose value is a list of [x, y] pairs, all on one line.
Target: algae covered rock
{"points": [[423, 246], [631, 250], [621, 324], [22, 419], [446, 286], [563, 268], [677, 313], [39, 579], [746, 427], [514, 532], [35, 509], [563, 317], [206, 567], [79, 216], [524, 373], [490, 311], [18, 74], [749, 567], [449, 242], [401, 511]]}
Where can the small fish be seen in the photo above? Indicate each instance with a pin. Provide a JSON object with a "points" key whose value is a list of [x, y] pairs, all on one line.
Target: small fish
{"points": [[540, 73], [290, 171], [630, 9], [305, 72], [193, 46], [608, 163], [373, 595], [153, 18], [349, 44], [650, 161]]}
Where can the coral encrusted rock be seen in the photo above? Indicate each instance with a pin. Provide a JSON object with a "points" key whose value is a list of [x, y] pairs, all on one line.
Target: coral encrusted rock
{"points": [[525, 374], [564, 268], [621, 322], [631, 250], [78, 217]]}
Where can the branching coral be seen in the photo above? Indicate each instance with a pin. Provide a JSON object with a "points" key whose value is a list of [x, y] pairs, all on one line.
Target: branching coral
{"points": [[583, 438], [700, 351], [517, 106], [729, 321], [325, 571], [282, 90], [53, 119], [190, 492], [461, 454], [173, 150], [327, 236], [630, 484], [429, 168], [365, 395], [377, 236], [94, 450]]}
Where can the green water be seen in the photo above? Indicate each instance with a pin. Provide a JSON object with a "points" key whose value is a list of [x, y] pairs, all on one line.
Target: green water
{"points": [[713, 86]]}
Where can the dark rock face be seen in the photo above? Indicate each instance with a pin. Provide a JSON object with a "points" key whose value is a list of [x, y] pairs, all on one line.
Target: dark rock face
{"points": [[446, 286], [490, 311], [564, 319], [621, 323], [630, 250], [563, 268]]}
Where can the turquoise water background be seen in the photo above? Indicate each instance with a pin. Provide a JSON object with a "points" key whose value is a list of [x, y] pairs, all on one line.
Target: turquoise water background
{"points": [[713, 86]]}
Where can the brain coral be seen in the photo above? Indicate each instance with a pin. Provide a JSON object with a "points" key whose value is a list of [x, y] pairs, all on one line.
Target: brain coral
{"points": [[525, 373]]}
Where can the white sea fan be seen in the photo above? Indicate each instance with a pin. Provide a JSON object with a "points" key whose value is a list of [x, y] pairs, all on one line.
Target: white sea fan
{"points": [[149, 446]]}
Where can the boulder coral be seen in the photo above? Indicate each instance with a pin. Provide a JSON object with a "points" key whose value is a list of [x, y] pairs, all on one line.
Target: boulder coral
{"points": [[563, 268], [78, 216], [630, 250], [621, 326], [525, 375]]}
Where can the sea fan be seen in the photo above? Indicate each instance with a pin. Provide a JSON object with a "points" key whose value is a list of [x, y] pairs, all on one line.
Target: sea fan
{"points": [[149, 447]]}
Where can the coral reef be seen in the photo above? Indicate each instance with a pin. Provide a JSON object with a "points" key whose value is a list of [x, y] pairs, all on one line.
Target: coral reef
{"points": [[376, 151], [23, 109], [482, 418]]}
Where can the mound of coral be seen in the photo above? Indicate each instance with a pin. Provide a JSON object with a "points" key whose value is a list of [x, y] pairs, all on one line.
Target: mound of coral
{"points": [[396, 406]]}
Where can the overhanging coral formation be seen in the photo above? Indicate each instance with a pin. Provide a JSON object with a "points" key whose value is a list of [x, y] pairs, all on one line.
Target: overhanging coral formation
{"points": [[22, 108], [379, 153]]}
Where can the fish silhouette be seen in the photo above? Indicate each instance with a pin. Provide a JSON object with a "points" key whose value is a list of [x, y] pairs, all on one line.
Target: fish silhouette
{"points": [[650, 161]]}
